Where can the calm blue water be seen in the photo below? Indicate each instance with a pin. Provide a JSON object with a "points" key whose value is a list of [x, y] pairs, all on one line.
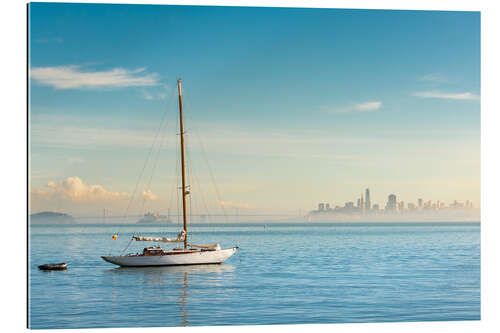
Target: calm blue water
{"points": [[284, 274]]}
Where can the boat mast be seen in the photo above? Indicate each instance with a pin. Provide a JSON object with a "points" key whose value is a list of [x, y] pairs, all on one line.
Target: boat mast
{"points": [[184, 191]]}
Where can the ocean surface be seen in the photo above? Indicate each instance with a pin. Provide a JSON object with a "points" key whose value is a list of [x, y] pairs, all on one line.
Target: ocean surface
{"points": [[293, 273]]}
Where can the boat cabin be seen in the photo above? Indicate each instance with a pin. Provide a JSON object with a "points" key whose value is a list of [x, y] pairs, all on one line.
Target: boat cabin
{"points": [[153, 251]]}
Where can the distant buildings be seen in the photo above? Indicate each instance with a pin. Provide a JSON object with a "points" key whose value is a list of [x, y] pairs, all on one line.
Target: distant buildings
{"points": [[364, 206], [391, 205], [456, 204], [323, 207]]}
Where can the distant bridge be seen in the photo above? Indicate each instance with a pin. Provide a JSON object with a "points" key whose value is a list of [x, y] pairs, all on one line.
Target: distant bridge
{"points": [[179, 215]]}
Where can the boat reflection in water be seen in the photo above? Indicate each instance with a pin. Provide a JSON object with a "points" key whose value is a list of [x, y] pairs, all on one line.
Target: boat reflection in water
{"points": [[172, 283]]}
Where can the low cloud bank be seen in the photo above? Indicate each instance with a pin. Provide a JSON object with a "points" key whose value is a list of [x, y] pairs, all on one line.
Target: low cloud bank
{"points": [[75, 189]]}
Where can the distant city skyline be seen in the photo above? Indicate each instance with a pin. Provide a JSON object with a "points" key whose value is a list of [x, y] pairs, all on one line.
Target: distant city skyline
{"points": [[291, 105], [392, 205]]}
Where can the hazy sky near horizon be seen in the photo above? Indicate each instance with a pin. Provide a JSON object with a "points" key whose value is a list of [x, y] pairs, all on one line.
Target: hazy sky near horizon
{"points": [[293, 106]]}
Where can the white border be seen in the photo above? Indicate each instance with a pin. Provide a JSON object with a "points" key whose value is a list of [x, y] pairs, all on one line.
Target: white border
{"points": [[13, 138]]}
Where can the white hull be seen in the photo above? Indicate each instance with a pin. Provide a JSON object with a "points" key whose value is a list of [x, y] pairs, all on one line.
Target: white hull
{"points": [[194, 258]]}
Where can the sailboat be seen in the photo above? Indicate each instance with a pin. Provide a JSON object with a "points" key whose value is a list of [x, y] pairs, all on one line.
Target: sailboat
{"points": [[190, 254]]}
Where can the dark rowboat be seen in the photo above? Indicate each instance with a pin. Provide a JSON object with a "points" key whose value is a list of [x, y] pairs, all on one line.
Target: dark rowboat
{"points": [[53, 267]]}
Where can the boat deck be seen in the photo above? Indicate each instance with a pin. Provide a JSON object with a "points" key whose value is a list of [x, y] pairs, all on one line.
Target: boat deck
{"points": [[147, 252]]}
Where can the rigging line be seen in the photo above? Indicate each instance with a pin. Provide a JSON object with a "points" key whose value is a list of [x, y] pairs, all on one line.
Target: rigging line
{"points": [[145, 163], [190, 212], [204, 203], [170, 199], [200, 190], [191, 174], [173, 190], [162, 141], [149, 157], [154, 167], [125, 249], [142, 171], [190, 170], [189, 182], [206, 161], [188, 109]]}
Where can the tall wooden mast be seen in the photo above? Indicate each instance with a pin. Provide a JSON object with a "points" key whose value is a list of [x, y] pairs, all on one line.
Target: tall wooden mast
{"points": [[184, 190]]}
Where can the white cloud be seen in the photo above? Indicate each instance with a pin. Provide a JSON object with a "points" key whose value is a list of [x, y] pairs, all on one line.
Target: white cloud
{"points": [[360, 107], [443, 95], [154, 95], [73, 77], [148, 194], [38, 193], [234, 205], [60, 134], [76, 190], [368, 106], [433, 77]]}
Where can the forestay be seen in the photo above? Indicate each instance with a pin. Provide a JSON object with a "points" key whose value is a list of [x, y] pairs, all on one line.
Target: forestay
{"points": [[180, 238]]}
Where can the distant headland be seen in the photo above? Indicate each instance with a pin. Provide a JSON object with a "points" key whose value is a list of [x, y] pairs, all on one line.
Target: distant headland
{"points": [[51, 217]]}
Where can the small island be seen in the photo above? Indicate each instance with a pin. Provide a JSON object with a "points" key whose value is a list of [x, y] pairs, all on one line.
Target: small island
{"points": [[51, 218]]}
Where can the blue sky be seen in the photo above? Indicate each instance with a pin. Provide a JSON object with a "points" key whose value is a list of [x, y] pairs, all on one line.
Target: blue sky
{"points": [[294, 106]]}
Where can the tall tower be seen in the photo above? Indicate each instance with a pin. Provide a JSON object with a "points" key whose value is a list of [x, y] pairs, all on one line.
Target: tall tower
{"points": [[362, 206], [368, 204], [391, 205]]}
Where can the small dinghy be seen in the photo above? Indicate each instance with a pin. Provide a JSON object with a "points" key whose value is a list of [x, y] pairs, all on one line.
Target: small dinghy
{"points": [[53, 267]]}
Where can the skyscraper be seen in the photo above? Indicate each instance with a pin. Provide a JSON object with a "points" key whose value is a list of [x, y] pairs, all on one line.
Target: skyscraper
{"points": [[391, 203], [368, 204], [362, 205]]}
